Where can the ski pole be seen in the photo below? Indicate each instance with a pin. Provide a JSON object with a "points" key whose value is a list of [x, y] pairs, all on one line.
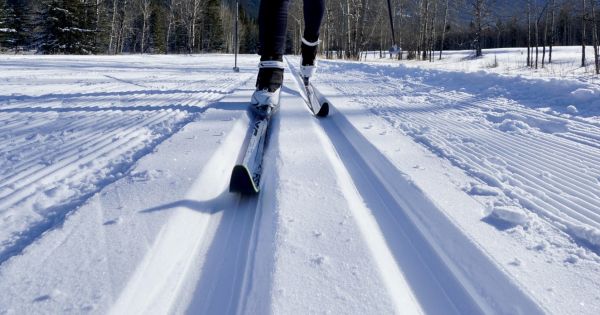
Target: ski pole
{"points": [[235, 48], [391, 22]]}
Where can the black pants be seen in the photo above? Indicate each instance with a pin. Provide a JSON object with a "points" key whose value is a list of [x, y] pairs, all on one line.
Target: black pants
{"points": [[272, 25]]}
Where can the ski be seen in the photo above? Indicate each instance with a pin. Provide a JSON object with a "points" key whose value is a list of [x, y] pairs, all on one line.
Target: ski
{"points": [[318, 108], [245, 177]]}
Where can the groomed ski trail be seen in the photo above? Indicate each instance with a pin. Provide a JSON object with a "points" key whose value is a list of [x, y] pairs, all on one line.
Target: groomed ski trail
{"points": [[142, 235], [340, 226], [415, 116], [72, 126]]}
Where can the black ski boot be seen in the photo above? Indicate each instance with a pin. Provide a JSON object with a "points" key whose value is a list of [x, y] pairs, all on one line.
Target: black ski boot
{"points": [[265, 100]]}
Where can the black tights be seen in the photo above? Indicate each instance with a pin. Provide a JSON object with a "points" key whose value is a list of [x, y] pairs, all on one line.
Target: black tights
{"points": [[272, 25]]}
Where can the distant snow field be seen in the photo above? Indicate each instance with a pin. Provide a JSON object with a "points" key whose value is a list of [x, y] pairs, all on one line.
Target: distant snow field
{"points": [[460, 186], [566, 62]]}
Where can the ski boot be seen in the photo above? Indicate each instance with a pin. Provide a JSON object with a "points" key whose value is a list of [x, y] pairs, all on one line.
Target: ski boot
{"points": [[265, 99], [308, 63]]}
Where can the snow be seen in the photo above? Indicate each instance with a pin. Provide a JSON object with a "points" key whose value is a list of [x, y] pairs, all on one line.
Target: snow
{"points": [[584, 94], [430, 188], [510, 214], [566, 63]]}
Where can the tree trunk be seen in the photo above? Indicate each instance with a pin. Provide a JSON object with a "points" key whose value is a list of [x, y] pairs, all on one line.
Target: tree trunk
{"points": [[424, 46], [432, 37], [595, 38], [583, 35], [444, 29], [145, 23], [537, 41], [478, 27], [113, 29], [529, 33], [552, 32], [544, 38], [170, 25]]}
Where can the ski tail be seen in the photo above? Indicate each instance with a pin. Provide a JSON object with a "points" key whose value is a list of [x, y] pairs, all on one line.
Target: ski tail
{"points": [[242, 181], [318, 107]]}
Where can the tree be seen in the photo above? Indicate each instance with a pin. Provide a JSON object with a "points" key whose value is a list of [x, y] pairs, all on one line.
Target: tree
{"points": [[478, 15], [595, 37], [213, 30], [8, 33], [444, 28], [158, 31], [146, 10], [19, 20], [61, 28], [583, 14]]}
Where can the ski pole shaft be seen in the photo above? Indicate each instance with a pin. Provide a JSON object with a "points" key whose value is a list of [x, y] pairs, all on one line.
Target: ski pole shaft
{"points": [[391, 21], [235, 48]]}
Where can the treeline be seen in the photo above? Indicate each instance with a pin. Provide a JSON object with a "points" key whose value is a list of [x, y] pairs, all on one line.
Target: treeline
{"points": [[123, 26], [423, 28]]}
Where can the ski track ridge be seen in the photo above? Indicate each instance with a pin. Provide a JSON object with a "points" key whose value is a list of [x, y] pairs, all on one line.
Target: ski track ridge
{"points": [[126, 137], [544, 186], [405, 216]]}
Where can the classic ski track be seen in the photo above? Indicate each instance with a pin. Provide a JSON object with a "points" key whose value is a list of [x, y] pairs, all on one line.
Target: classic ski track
{"points": [[588, 130], [70, 154], [132, 122], [579, 188], [228, 256], [531, 180], [208, 275], [428, 268]]}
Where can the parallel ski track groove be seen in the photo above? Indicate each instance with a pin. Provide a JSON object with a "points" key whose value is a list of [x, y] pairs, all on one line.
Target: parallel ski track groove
{"points": [[461, 298], [580, 188], [499, 136], [101, 146], [121, 115], [584, 126], [384, 205], [64, 151], [532, 181]]}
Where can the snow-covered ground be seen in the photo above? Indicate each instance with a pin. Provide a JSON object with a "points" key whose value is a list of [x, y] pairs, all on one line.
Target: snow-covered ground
{"points": [[431, 188], [566, 62]]}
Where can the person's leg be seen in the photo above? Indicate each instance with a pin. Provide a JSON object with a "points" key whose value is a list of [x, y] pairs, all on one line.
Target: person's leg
{"points": [[272, 25], [313, 16]]}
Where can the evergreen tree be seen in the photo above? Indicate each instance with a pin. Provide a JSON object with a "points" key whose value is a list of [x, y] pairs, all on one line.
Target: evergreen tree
{"points": [[8, 34], [61, 28], [21, 22], [248, 34], [213, 30], [14, 24], [158, 30]]}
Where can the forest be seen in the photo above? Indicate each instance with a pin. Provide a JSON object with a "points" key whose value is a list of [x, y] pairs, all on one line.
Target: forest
{"points": [[422, 29]]}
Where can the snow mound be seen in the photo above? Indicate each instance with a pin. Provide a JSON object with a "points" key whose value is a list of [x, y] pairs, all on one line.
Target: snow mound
{"points": [[519, 123], [482, 190], [583, 94], [510, 214], [588, 234], [572, 109], [510, 125]]}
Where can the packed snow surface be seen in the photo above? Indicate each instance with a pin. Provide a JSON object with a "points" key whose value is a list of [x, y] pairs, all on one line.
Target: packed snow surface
{"points": [[431, 188]]}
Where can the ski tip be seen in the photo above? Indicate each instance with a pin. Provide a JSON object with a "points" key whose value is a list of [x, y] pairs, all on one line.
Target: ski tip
{"points": [[242, 182], [324, 111]]}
